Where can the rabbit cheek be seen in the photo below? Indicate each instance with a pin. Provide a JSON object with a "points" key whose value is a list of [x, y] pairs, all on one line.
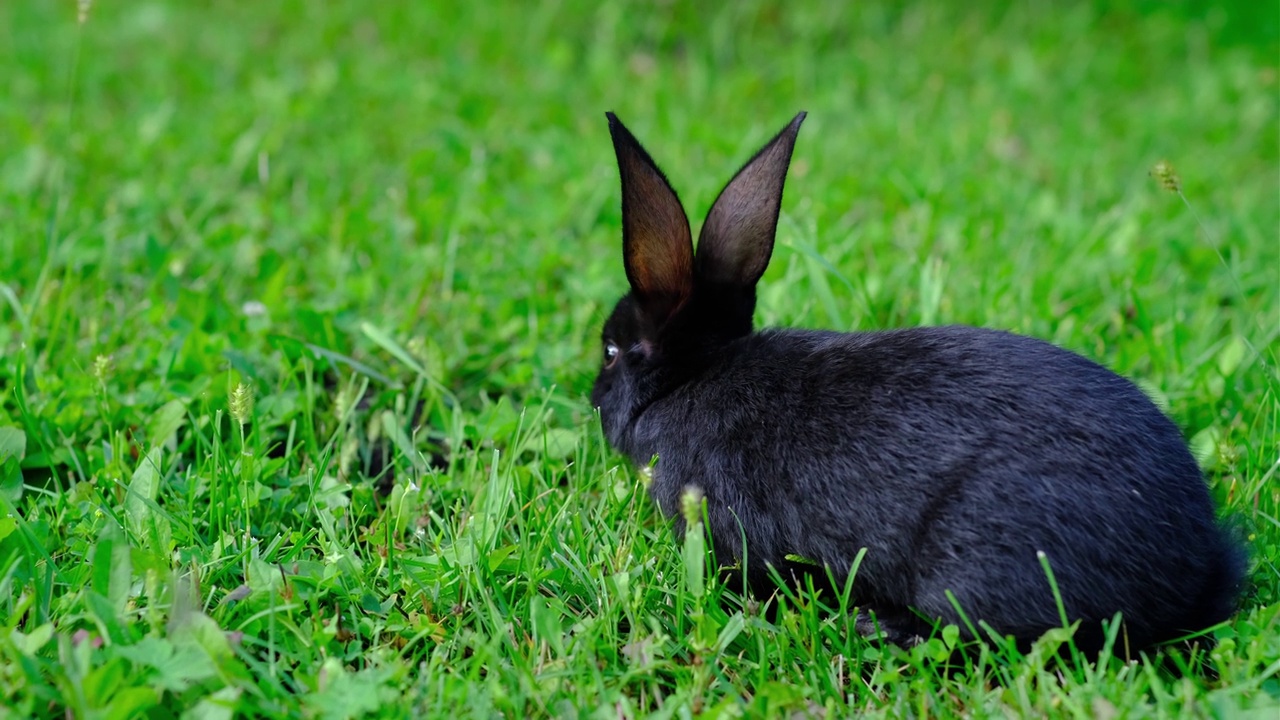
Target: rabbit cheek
{"points": [[600, 390], [614, 395], [613, 417]]}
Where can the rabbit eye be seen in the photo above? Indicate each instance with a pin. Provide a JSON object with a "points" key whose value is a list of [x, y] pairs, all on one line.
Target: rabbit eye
{"points": [[611, 354]]}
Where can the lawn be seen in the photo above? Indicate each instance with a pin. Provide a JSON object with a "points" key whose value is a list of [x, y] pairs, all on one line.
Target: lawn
{"points": [[300, 303]]}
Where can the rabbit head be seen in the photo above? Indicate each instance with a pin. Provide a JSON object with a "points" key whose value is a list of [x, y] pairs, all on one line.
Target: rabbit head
{"points": [[683, 306]]}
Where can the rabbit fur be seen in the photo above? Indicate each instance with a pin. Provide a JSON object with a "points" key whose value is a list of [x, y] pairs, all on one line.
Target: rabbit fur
{"points": [[954, 455]]}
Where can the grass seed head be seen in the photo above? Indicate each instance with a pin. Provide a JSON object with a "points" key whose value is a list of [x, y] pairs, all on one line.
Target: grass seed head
{"points": [[1167, 176], [102, 368], [241, 403], [691, 505]]}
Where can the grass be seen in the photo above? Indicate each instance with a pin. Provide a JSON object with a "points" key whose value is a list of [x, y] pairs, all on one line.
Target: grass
{"points": [[299, 307]]}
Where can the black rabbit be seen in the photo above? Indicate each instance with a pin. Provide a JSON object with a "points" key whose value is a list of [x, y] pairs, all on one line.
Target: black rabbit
{"points": [[954, 455]]}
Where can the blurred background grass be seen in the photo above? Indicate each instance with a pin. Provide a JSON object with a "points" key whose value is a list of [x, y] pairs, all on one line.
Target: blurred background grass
{"points": [[443, 167]]}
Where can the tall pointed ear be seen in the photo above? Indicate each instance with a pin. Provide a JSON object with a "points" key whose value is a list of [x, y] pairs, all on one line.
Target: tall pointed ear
{"points": [[657, 247], [737, 238]]}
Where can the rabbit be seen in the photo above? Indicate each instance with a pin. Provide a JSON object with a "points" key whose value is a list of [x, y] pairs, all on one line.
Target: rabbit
{"points": [[960, 458]]}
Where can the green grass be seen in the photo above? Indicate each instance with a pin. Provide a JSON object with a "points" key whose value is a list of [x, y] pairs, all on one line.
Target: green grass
{"points": [[396, 226]]}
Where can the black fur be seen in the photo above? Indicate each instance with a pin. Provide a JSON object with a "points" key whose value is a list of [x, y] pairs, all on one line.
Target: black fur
{"points": [[952, 454]]}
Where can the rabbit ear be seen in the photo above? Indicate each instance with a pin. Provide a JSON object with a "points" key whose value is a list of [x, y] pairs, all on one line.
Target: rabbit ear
{"points": [[737, 238], [657, 247]]}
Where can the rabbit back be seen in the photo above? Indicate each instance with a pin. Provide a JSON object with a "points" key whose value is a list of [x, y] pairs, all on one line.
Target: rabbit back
{"points": [[954, 456]]}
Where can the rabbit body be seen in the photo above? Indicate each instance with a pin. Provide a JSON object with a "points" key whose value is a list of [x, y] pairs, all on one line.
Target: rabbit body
{"points": [[954, 455]]}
